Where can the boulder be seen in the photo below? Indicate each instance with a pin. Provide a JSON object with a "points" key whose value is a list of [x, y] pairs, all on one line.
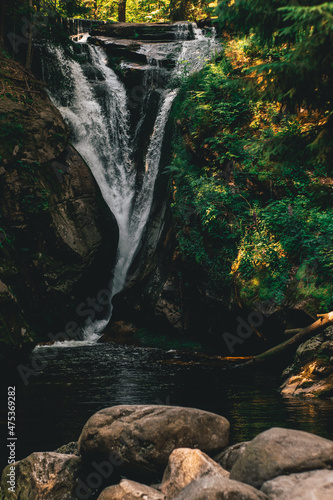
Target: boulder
{"points": [[316, 485], [277, 452], [312, 371], [184, 467], [45, 475], [130, 490], [229, 457], [144, 436], [314, 380], [218, 488]]}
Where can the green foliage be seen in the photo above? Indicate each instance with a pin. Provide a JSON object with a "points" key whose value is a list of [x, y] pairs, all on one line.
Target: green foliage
{"points": [[252, 197], [262, 18], [9, 131], [72, 8], [182, 10], [301, 37], [35, 203], [11, 135], [4, 238]]}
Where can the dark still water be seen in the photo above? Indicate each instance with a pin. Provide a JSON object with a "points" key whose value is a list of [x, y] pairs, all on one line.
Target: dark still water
{"points": [[79, 381]]}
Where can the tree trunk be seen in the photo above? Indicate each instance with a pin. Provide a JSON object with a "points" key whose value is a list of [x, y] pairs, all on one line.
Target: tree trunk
{"points": [[178, 10], [29, 47], [122, 11], [290, 345], [2, 25]]}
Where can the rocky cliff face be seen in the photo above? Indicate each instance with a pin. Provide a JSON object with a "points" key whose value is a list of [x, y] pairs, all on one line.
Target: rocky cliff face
{"points": [[58, 239]]}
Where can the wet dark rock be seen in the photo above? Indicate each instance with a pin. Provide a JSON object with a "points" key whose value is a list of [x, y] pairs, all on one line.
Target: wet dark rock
{"points": [[120, 332]]}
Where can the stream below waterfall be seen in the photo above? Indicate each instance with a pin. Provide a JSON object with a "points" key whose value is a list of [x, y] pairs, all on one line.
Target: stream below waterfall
{"points": [[79, 381]]}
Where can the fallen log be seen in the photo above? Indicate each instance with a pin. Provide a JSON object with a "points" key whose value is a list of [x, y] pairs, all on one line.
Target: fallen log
{"points": [[291, 344], [292, 331]]}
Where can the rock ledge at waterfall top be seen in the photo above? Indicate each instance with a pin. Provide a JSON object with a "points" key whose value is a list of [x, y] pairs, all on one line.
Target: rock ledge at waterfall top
{"points": [[167, 32]]}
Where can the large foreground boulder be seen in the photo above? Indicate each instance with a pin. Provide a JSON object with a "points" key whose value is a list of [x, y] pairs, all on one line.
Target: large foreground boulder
{"points": [[218, 488], [314, 485], [144, 436], [278, 452], [42, 476], [184, 467], [130, 490]]}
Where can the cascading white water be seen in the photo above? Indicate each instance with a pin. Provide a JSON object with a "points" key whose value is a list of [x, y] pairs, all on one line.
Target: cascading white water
{"points": [[97, 111]]}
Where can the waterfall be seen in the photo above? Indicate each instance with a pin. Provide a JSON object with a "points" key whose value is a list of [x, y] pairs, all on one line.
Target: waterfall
{"points": [[95, 104]]}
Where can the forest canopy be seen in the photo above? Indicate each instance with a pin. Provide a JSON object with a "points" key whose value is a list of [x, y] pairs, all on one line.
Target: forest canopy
{"points": [[129, 10]]}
